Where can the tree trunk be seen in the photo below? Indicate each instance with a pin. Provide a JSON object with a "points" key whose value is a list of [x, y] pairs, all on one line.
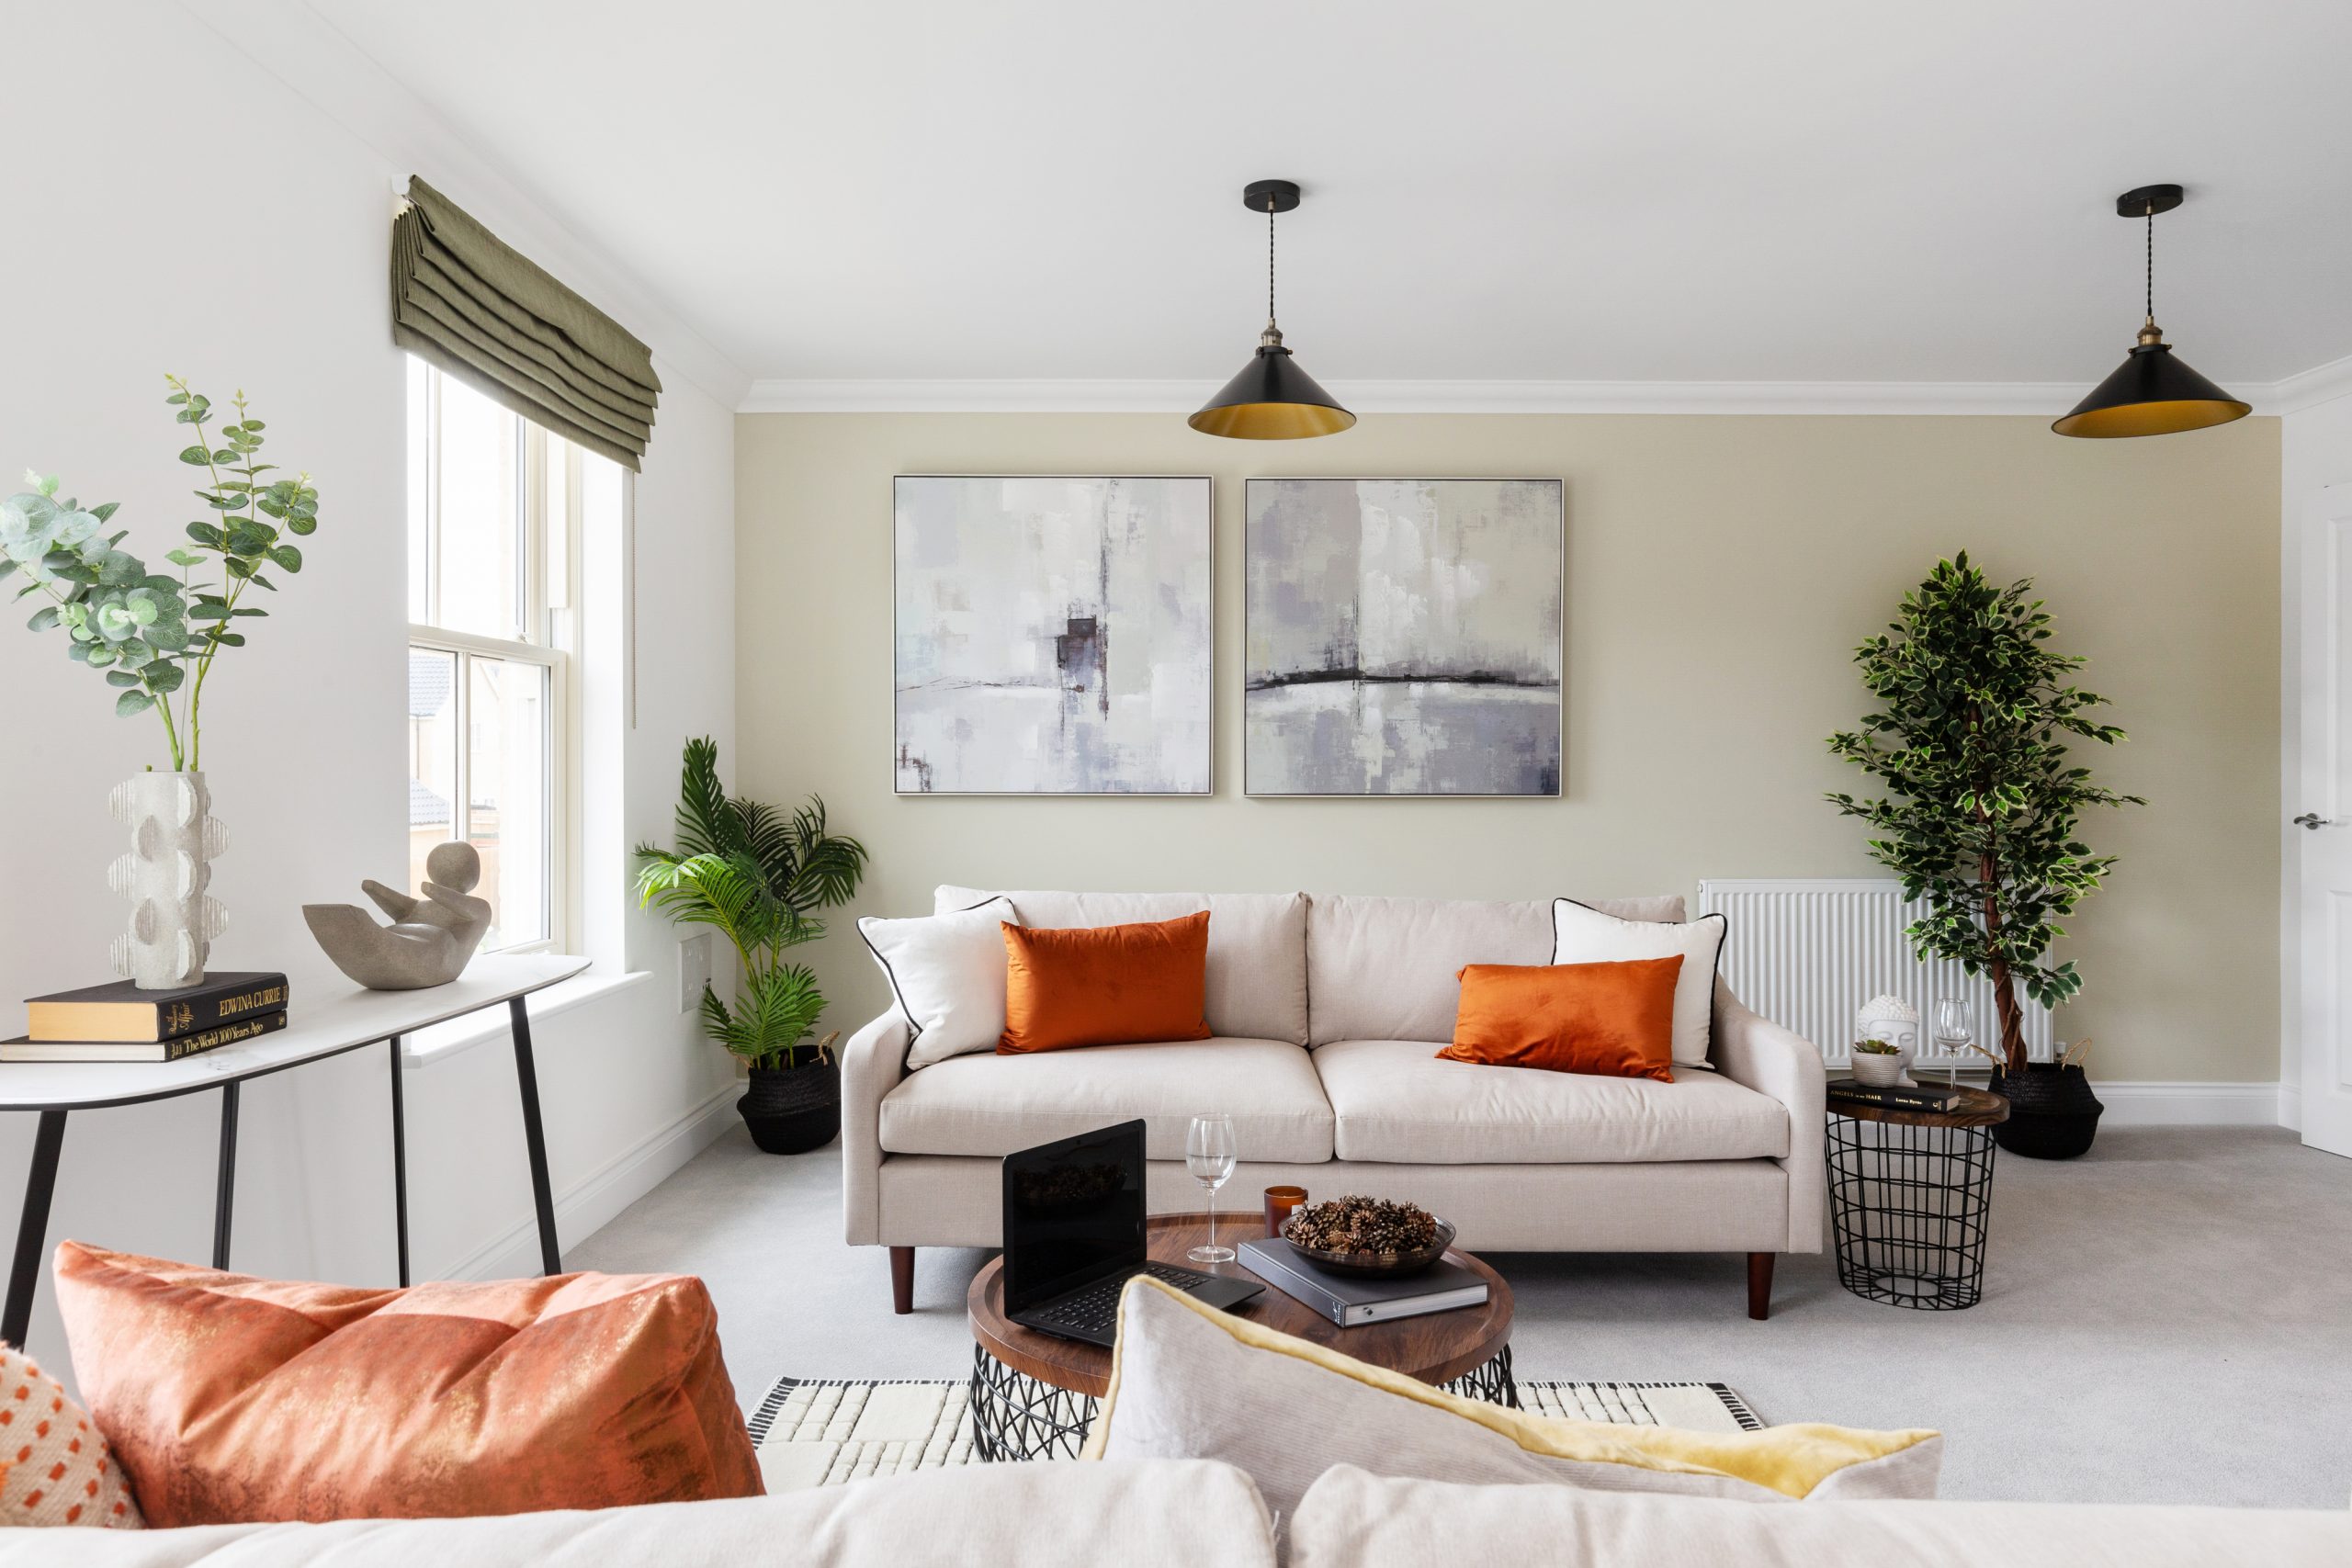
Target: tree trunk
{"points": [[2005, 992], [2005, 1001]]}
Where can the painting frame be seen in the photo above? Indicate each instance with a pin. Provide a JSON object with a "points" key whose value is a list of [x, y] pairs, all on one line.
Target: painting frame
{"points": [[1255, 784], [1208, 653]]}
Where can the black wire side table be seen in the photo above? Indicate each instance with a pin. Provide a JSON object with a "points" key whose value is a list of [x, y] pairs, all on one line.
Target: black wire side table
{"points": [[1016, 1417], [1911, 1198]]}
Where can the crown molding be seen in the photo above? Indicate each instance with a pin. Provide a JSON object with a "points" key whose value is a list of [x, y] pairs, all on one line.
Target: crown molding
{"points": [[319, 65], [2308, 389], [2040, 399]]}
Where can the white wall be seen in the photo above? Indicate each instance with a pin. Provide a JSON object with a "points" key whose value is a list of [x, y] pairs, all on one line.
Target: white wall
{"points": [[2315, 451], [138, 251]]}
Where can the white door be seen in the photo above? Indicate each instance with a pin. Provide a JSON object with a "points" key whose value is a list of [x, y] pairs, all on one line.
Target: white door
{"points": [[2323, 845]]}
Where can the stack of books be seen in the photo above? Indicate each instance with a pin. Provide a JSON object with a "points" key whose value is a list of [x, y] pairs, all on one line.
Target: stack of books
{"points": [[1895, 1097], [1350, 1300], [119, 1023]]}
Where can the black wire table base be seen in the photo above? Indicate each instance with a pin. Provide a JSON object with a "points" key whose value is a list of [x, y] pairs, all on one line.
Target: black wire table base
{"points": [[1016, 1417], [1910, 1207]]}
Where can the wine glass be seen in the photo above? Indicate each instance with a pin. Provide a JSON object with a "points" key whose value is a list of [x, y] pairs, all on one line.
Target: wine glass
{"points": [[1953, 1033], [1208, 1154]]}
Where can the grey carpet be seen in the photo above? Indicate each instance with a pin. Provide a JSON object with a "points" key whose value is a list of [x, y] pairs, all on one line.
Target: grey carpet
{"points": [[2168, 1319]]}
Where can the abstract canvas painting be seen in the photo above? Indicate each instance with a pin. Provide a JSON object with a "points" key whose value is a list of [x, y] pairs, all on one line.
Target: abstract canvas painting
{"points": [[1403, 637], [1053, 636]]}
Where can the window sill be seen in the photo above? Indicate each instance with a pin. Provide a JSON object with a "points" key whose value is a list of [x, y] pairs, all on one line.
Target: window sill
{"points": [[459, 1034]]}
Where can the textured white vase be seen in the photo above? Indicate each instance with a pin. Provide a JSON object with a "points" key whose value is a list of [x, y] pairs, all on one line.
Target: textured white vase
{"points": [[174, 839]]}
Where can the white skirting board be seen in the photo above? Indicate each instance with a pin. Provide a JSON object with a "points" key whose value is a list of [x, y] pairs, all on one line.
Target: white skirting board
{"points": [[592, 1202], [2154, 1104], [2193, 1104]]}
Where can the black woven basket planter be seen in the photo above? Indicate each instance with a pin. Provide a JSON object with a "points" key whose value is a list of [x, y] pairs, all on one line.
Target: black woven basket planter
{"points": [[793, 1109], [2052, 1112]]}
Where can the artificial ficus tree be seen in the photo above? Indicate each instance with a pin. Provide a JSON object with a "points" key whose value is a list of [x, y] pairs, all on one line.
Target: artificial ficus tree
{"points": [[1972, 743]]}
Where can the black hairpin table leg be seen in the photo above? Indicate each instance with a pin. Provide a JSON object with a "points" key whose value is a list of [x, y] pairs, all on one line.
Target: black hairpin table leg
{"points": [[535, 1138], [32, 1228], [400, 1160], [224, 1186]]}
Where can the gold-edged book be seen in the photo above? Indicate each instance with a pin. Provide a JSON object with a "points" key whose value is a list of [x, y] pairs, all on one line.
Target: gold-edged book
{"points": [[170, 1050], [121, 1012]]}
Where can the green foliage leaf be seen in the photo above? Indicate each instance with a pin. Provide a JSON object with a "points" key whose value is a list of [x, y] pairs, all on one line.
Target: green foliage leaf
{"points": [[133, 702], [303, 526], [287, 555], [204, 533], [197, 455], [43, 618]]}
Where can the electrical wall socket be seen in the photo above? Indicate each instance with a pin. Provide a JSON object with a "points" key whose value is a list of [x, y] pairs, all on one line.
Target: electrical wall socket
{"points": [[693, 971]]}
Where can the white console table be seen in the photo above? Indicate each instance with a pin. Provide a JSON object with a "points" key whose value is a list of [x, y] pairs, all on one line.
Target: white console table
{"points": [[345, 1020]]}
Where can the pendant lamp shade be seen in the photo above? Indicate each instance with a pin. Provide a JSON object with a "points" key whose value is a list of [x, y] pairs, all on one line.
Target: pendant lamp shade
{"points": [[1273, 398], [2153, 393]]}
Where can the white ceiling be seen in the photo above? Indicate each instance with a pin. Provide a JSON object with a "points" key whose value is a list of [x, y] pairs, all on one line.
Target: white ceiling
{"points": [[1805, 190]]}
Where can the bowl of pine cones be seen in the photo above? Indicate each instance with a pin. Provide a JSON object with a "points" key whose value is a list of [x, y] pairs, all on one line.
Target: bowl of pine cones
{"points": [[1372, 1236]]}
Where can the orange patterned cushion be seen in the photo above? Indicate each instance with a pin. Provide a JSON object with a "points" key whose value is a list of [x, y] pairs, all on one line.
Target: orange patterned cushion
{"points": [[230, 1399], [54, 1468]]}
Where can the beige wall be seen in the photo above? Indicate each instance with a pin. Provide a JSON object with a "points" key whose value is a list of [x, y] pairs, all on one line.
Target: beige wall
{"points": [[1719, 572]]}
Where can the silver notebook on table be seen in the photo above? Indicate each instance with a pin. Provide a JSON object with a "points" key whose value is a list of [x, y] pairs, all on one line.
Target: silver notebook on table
{"points": [[1352, 1300]]}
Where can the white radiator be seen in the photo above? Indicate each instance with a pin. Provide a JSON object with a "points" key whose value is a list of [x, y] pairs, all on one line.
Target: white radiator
{"points": [[1808, 953]]}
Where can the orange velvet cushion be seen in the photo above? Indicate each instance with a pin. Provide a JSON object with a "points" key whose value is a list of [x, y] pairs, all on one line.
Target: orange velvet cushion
{"points": [[232, 1399], [1615, 1020], [1104, 985]]}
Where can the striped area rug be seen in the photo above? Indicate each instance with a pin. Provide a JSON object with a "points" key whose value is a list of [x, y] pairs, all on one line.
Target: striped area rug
{"points": [[823, 1432]]}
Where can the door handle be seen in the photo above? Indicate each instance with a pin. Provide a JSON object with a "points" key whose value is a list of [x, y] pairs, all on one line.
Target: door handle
{"points": [[2314, 821]]}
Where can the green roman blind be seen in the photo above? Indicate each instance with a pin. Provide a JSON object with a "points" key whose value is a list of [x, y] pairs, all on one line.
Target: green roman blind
{"points": [[471, 305]]}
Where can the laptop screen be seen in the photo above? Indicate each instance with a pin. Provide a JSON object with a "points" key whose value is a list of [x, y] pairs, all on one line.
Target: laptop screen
{"points": [[1073, 1212]]}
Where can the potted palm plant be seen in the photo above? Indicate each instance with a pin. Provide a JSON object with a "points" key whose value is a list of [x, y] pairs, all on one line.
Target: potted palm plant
{"points": [[1973, 741], [758, 876]]}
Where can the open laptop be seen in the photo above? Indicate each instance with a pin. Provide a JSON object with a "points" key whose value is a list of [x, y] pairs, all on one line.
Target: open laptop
{"points": [[1074, 1235]]}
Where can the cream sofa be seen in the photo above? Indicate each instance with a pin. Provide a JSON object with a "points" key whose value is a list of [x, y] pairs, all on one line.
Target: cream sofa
{"points": [[1184, 1513], [1328, 1009]]}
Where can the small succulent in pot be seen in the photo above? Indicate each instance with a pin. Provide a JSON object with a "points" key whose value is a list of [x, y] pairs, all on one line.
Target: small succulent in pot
{"points": [[1877, 1063]]}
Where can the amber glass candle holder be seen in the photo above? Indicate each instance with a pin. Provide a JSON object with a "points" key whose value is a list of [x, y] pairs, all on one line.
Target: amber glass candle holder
{"points": [[1280, 1202]]}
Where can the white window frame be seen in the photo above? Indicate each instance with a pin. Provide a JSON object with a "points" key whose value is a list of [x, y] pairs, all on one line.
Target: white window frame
{"points": [[547, 583]]}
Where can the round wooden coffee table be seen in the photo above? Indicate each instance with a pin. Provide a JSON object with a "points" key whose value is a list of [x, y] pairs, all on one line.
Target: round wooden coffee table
{"points": [[1034, 1396]]}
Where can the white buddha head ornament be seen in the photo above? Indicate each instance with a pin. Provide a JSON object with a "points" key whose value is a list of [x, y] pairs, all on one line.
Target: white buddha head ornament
{"points": [[1892, 1020]]}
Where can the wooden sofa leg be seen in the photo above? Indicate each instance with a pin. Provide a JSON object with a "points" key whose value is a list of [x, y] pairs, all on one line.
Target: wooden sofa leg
{"points": [[1759, 1284], [902, 1279]]}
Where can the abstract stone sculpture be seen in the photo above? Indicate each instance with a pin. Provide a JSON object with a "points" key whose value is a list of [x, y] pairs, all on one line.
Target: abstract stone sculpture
{"points": [[430, 938], [173, 842]]}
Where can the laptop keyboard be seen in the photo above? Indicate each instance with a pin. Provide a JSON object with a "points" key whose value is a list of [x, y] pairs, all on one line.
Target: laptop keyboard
{"points": [[1097, 1307]]}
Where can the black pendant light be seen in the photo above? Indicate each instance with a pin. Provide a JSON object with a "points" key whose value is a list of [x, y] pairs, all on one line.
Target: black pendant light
{"points": [[1273, 398], [2153, 393]]}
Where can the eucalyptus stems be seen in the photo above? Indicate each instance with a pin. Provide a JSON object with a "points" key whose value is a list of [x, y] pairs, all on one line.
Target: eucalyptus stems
{"points": [[1972, 741], [155, 636]]}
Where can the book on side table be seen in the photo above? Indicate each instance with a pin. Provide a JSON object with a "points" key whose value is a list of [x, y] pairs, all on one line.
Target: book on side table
{"points": [[24, 1049], [120, 1010], [1932, 1097], [1352, 1300]]}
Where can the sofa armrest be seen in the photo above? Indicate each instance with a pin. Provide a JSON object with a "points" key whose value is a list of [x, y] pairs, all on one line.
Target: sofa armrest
{"points": [[873, 1061], [1753, 1050]]}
